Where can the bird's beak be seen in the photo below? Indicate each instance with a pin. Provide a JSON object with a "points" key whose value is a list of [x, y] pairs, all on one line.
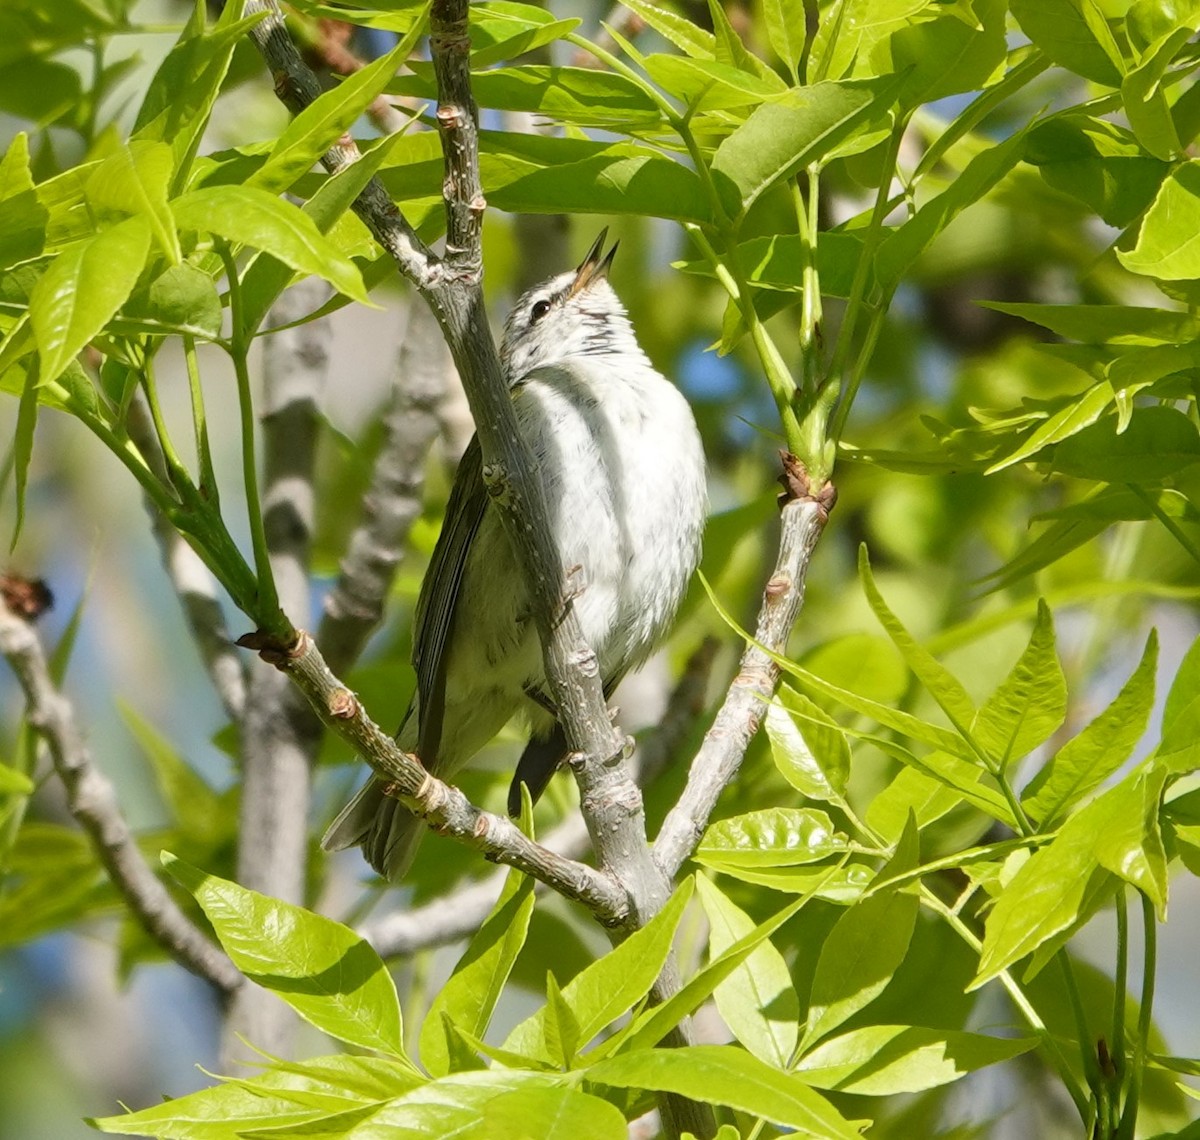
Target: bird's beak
{"points": [[594, 268]]}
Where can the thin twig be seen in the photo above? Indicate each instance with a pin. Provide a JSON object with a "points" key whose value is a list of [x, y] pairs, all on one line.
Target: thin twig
{"points": [[805, 513], [93, 802], [354, 606]]}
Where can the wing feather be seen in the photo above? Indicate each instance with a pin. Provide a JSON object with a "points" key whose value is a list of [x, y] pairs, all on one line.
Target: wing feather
{"points": [[434, 615]]}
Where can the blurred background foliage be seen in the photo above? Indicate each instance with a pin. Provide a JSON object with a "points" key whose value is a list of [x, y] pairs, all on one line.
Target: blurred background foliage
{"points": [[90, 1014]]}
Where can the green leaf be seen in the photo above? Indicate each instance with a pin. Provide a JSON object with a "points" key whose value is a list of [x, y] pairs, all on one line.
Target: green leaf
{"points": [[613, 984], [1129, 842], [1031, 702], [693, 41], [963, 776], [809, 747], [1098, 163], [453, 1106], [786, 21], [578, 95], [1145, 101], [783, 137], [287, 1093], [839, 884], [323, 970], [732, 51], [899, 721], [772, 837], [549, 1114], [900, 249], [757, 1001], [180, 97], [865, 947], [723, 1074], [620, 178], [938, 681], [1060, 884], [1068, 31], [24, 232], [1087, 760], [182, 300], [1168, 244], [192, 803], [1106, 324], [648, 1029], [777, 262], [1181, 715], [324, 121], [82, 289], [561, 1029], [249, 216], [501, 31], [910, 791], [470, 995], [265, 277], [885, 1060], [1159, 442], [135, 180], [14, 783], [1066, 422], [949, 55], [708, 85], [851, 32]]}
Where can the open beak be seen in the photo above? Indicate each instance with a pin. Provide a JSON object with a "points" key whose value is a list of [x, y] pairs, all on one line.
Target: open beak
{"points": [[594, 267]]}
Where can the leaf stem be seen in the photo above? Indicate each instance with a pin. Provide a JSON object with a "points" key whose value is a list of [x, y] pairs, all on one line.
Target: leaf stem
{"points": [[1137, 1065], [265, 611], [208, 475], [177, 471]]}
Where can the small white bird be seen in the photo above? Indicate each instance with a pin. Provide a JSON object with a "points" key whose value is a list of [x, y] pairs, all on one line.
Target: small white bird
{"points": [[622, 467]]}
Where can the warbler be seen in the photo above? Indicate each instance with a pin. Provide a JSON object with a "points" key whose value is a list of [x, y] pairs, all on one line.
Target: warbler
{"points": [[620, 461]]}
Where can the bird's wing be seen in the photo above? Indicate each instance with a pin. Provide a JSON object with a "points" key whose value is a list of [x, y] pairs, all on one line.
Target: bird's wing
{"points": [[434, 615]]}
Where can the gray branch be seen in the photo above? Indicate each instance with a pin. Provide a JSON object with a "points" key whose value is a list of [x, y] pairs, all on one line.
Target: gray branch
{"points": [[802, 522], [354, 606], [93, 802], [460, 914], [280, 735], [442, 805]]}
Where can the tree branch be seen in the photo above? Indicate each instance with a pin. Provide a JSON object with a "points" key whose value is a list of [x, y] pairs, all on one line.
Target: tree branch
{"points": [[354, 606], [93, 803], [802, 522], [443, 806], [459, 914]]}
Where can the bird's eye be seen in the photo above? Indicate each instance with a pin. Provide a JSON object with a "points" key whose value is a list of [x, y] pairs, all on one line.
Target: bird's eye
{"points": [[539, 310]]}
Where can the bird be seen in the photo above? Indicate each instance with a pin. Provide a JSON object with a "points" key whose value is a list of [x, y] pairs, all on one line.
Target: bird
{"points": [[621, 465]]}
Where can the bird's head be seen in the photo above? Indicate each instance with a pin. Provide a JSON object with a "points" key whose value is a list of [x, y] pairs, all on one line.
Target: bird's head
{"points": [[573, 314]]}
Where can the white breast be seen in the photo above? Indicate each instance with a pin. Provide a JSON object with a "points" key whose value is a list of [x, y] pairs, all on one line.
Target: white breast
{"points": [[623, 469]]}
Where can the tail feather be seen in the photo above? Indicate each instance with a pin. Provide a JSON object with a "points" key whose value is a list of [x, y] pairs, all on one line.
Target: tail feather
{"points": [[385, 829]]}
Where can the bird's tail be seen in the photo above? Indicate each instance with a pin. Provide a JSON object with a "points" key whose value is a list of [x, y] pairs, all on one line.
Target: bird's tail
{"points": [[385, 829]]}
